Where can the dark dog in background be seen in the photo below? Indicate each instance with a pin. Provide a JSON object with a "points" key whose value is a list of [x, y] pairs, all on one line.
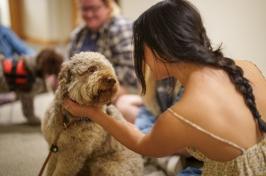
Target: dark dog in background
{"points": [[26, 77]]}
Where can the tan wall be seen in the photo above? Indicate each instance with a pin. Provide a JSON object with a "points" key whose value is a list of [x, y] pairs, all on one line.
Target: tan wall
{"points": [[133, 8], [239, 24], [47, 20]]}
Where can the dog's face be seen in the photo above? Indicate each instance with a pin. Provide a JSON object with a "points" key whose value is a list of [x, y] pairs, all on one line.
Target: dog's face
{"points": [[88, 78]]}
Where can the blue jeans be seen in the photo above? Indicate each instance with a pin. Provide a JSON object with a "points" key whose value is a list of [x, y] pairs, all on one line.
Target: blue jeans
{"points": [[144, 120], [190, 171], [11, 46]]}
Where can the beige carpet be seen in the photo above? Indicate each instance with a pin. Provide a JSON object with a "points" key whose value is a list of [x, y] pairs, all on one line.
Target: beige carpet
{"points": [[22, 147]]}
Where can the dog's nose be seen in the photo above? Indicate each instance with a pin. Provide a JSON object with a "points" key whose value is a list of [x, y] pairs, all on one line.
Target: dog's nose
{"points": [[110, 81]]}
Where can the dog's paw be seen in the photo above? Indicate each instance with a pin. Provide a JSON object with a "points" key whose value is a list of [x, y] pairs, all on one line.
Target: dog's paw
{"points": [[114, 112]]}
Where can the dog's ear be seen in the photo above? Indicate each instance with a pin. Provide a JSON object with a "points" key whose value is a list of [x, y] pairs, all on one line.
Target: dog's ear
{"points": [[64, 77]]}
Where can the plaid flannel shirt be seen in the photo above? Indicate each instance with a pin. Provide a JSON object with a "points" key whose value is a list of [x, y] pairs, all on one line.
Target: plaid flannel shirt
{"points": [[114, 41]]}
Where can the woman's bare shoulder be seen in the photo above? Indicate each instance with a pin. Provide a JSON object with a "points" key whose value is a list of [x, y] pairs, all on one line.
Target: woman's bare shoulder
{"points": [[195, 106], [258, 82], [250, 67], [251, 70]]}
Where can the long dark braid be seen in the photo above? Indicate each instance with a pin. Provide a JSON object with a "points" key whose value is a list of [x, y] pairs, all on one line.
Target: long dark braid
{"points": [[236, 75]]}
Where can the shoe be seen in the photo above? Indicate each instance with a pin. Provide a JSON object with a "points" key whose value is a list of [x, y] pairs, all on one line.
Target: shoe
{"points": [[172, 164]]}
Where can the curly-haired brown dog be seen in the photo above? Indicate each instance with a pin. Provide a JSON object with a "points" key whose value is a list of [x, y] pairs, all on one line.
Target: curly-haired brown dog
{"points": [[26, 76], [84, 147]]}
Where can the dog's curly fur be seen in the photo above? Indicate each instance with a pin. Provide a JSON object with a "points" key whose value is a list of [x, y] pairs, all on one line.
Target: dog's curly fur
{"points": [[85, 148]]}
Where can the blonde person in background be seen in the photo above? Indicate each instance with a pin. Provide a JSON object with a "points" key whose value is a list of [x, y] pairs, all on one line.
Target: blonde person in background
{"points": [[220, 119], [106, 31]]}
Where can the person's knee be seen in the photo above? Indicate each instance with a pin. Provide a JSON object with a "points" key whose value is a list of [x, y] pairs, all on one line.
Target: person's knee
{"points": [[129, 106], [126, 101]]}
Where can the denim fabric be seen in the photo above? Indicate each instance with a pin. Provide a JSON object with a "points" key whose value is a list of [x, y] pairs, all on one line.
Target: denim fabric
{"points": [[11, 46], [144, 120], [190, 171]]}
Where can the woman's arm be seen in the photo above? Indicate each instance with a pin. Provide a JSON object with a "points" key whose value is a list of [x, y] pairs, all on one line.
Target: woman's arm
{"points": [[166, 137]]}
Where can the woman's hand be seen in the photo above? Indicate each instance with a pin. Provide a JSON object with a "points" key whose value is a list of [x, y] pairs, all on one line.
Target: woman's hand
{"points": [[80, 110]]}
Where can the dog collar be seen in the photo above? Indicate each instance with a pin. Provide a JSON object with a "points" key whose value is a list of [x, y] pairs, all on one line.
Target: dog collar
{"points": [[69, 119]]}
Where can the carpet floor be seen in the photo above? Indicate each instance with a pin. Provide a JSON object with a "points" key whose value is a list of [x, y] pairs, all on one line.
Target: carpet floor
{"points": [[22, 147]]}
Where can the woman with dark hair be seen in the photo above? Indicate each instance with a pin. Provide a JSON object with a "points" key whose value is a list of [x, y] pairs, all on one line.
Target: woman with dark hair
{"points": [[220, 118]]}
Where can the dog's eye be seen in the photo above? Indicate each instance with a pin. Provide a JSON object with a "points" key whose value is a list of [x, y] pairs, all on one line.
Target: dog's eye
{"points": [[92, 69]]}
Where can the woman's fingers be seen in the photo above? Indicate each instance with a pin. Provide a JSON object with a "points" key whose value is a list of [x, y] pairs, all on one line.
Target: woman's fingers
{"points": [[67, 103], [72, 107], [76, 109]]}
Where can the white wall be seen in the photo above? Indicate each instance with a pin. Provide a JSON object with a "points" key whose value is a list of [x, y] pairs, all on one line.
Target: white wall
{"points": [[4, 13], [35, 19], [47, 20], [239, 24], [133, 8], [59, 18]]}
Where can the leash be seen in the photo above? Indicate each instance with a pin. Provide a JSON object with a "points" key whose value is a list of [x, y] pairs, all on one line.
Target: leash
{"points": [[54, 148]]}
